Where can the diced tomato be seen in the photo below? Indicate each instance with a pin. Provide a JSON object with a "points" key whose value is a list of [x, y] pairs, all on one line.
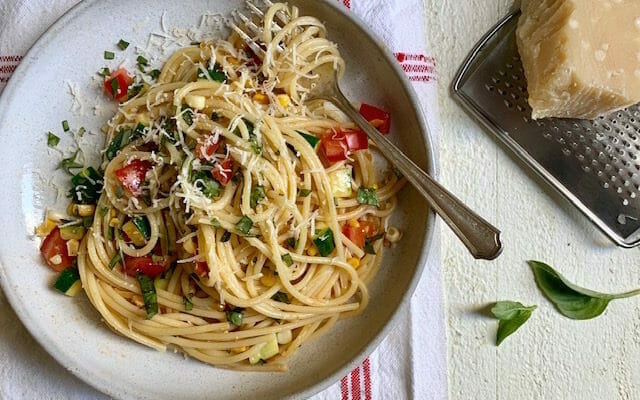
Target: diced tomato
{"points": [[356, 139], [54, 251], [145, 265], [224, 171], [206, 148], [132, 175], [202, 268], [376, 117], [334, 149], [358, 234], [123, 79], [355, 234]]}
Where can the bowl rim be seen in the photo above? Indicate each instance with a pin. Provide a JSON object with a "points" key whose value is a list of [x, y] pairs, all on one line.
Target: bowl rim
{"points": [[96, 381]]}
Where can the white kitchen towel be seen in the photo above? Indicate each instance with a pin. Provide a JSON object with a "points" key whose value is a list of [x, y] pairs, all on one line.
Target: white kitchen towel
{"points": [[409, 364]]}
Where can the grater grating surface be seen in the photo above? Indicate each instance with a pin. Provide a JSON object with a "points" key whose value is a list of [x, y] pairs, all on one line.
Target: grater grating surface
{"points": [[594, 164]]}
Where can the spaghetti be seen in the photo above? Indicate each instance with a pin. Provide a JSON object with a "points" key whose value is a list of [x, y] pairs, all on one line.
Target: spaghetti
{"points": [[234, 220]]}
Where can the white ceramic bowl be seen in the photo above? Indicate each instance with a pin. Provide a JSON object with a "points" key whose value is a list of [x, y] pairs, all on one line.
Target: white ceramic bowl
{"points": [[38, 98]]}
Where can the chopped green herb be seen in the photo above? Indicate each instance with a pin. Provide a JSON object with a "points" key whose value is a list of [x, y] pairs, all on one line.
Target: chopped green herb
{"points": [[123, 44], [208, 186], [103, 210], [226, 236], [291, 242], [512, 315], [244, 225], [282, 297], [123, 138], [286, 258], [195, 43], [143, 226], [154, 73], [109, 55], [142, 61], [187, 114], [368, 196], [312, 140], [324, 242], [87, 221], [65, 125], [215, 116], [216, 223], [104, 72], [149, 295], [119, 191], [81, 131], [110, 233], [70, 163], [255, 146], [52, 140], [304, 192], [257, 194], [188, 304], [67, 278], [87, 186], [115, 88], [397, 172], [115, 260], [156, 258], [215, 74], [235, 316], [248, 124], [134, 90], [368, 243]]}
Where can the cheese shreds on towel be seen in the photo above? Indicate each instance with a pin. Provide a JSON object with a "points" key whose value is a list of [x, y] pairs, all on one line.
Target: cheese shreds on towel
{"points": [[581, 57]]}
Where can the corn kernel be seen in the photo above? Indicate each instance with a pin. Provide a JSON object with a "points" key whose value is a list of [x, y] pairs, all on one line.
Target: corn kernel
{"points": [[238, 350], [284, 100], [86, 210], [375, 186], [268, 278], [45, 228], [189, 246], [312, 251], [72, 247], [261, 98], [354, 261], [354, 223], [114, 222]]}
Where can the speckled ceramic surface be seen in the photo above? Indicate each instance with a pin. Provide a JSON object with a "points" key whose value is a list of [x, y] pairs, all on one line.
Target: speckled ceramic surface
{"points": [[39, 96]]}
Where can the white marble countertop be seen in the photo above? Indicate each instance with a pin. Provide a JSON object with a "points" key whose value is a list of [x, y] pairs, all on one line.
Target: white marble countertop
{"points": [[550, 357]]}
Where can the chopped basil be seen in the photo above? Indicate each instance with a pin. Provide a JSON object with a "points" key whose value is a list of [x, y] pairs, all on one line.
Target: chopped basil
{"points": [[368, 196], [187, 114], [194, 276], [226, 236], [123, 44], [104, 72], [123, 138], [119, 191], [312, 140], [52, 140], [70, 163], [324, 242], [110, 233], [215, 116], [65, 125], [115, 260], [87, 186], [291, 242], [188, 304], [216, 223], [143, 226], [244, 225], [109, 55], [154, 73], [235, 316], [87, 221], [249, 126], [397, 172], [135, 89], [257, 194], [282, 297], [304, 192], [81, 131], [215, 74], [286, 258], [368, 243], [149, 295], [103, 211], [208, 186], [142, 61]]}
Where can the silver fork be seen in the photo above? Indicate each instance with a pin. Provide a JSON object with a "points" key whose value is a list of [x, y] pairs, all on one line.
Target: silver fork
{"points": [[479, 236]]}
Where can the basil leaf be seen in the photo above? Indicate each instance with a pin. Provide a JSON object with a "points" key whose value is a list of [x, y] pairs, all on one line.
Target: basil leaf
{"points": [[312, 140], [512, 315], [324, 242], [148, 295], [215, 74], [368, 196], [52, 139], [244, 225], [282, 297], [304, 192], [257, 194], [287, 259], [206, 184], [571, 300]]}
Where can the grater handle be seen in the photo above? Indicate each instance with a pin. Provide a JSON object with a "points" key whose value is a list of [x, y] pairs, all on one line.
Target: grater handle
{"points": [[479, 236]]}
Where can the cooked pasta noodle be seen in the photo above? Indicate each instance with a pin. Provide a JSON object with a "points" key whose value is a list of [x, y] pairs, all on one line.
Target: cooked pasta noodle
{"points": [[242, 223]]}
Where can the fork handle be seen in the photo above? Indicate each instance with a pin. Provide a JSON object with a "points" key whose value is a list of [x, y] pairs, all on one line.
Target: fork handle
{"points": [[480, 237]]}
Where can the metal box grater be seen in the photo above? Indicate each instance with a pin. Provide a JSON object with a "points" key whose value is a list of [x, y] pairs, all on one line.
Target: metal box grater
{"points": [[594, 164]]}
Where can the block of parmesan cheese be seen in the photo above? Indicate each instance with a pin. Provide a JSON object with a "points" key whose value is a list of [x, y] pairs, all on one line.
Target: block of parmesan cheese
{"points": [[581, 57]]}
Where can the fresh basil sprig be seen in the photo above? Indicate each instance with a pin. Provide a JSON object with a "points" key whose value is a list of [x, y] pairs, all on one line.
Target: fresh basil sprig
{"points": [[571, 300], [512, 315]]}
